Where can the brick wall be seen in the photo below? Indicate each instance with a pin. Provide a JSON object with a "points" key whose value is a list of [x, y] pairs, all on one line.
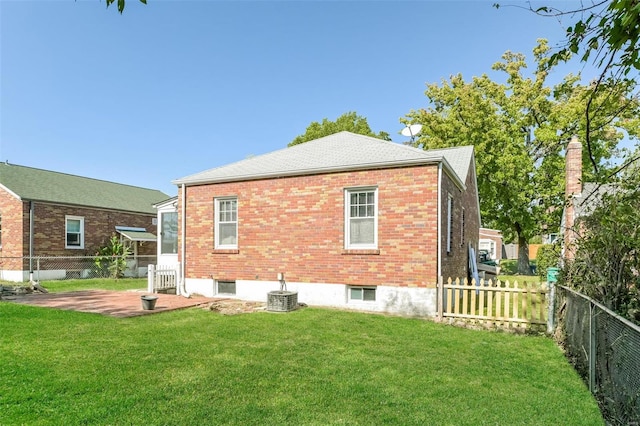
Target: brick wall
{"points": [[573, 186], [13, 212], [50, 233], [455, 264], [296, 225]]}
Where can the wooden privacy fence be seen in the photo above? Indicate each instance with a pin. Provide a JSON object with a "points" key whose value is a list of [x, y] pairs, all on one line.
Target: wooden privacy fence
{"points": [[496, 303]]}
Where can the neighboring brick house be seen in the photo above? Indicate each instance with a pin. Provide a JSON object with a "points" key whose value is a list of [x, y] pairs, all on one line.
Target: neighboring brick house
{"points": [[351, 221], [46, 213], [491, 241]]}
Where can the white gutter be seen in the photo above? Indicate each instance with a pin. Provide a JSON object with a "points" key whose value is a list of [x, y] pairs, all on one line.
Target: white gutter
{"points": [[183, 244], [439, 257], [31, 220]]}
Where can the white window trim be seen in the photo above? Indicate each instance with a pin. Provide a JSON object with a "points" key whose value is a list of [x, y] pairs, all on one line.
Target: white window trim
{"points": [[347, 222], [217, 224], [462, 228], [449, 222], [363, 288], [161, 233], [66, 222]]}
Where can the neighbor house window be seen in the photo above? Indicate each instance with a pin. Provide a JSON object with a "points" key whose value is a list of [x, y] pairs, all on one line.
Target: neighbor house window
{"points": [[365, 294], [75, 232], [169, 233], [361, 217], [449, 223], [226, 287], [226, 223]]}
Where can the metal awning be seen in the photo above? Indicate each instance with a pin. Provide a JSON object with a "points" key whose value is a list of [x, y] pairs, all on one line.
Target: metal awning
{"points": [[137, 234]]}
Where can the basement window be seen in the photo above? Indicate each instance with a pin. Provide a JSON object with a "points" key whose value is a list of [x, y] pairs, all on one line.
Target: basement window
{"points": [[364, 294], [226, 287]]}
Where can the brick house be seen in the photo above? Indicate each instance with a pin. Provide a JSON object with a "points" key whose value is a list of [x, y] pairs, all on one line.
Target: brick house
{"points": [[491, 241], [46, 213], [349, 220]]}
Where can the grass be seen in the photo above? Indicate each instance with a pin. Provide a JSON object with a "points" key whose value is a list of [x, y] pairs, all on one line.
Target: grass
{"points": [[311, 366], [59, 286], [519, 278]]}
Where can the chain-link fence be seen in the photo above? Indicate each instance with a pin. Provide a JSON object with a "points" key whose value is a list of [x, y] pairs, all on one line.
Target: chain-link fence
{"points": [[605, 350], [45, 268]]}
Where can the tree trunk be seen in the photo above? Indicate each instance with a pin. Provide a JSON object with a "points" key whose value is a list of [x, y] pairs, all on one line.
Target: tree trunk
{"points": [[523, 256]]}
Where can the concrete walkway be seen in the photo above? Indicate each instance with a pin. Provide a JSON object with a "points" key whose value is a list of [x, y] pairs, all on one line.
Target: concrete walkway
{"points": [[121, 304]]}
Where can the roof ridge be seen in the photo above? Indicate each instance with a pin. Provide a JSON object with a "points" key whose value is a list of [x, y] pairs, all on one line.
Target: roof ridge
{"points": [[7, 164]]}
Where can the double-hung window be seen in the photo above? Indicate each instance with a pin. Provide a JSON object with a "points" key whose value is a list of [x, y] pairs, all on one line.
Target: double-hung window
{"points": [[361, 218], [226, 223], [74, 228]]}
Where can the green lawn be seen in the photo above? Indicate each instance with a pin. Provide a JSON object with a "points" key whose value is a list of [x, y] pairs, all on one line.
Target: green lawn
{"points": [[311, 366], [520, 279], [59, 286]]}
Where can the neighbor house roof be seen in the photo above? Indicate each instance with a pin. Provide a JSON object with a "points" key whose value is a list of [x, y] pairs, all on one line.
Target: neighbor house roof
{"points": [[30, 184], [590, 197], [344, 151]]}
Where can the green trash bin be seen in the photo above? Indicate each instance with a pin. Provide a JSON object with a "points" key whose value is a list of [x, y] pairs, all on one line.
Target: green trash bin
{"points": [[552, 274]]}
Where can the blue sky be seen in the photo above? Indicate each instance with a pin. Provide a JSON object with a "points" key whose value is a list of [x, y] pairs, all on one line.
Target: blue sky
{"points": [[177, 87]]}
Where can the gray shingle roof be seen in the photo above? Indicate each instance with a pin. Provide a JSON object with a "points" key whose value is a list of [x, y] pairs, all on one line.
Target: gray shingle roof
{"points": [[31, 184], [338, 152], [590, 198]]}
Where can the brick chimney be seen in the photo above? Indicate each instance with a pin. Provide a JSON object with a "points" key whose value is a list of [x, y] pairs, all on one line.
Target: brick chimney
{"points": [[573, 187]]}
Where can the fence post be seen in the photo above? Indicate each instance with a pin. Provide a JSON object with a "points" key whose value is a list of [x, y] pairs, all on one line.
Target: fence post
{"points": [[552, 278], [150, 277], [592, 347], [551, 313]]}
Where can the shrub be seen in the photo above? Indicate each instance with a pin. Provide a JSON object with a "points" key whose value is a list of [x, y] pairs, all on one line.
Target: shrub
{"points": [[549, 256], [509, 266], [111, 260]]}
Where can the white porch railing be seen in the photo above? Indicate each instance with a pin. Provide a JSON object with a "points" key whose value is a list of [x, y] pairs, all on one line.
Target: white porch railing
{"points": [[163, 278]]}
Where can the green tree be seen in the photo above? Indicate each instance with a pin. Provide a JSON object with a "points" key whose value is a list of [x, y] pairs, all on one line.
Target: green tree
{"points": [[519, 129], [121, 4], [349, 121], [607, 256], [606, 34]]}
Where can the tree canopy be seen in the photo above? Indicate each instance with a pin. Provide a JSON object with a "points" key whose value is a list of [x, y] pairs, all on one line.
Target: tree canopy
{"points": [[607, 34], [520, 129], [349, 121], [121, 4]]}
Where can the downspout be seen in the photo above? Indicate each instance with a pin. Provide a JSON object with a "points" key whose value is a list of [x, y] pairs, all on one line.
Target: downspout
{"points": [[439, 244], [31, 220], [183, 243]]}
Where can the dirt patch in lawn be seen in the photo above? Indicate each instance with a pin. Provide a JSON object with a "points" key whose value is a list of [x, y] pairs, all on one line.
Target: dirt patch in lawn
{"points": [[235, 307]]}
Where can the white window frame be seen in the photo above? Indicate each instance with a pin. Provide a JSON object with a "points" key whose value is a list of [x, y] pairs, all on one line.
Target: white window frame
{"points": [[218, 244], [347, 218], [163, 232], [462, 228], [449, 223], [66, 232], [362, 290]]}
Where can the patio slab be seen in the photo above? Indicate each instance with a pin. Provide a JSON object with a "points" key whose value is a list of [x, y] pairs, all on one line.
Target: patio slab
{"points": [[121, 304]]}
